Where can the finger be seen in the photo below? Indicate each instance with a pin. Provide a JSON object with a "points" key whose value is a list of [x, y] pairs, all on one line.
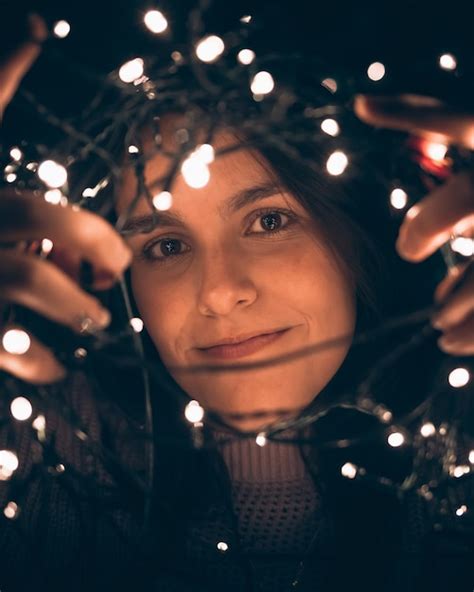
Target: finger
{"points": [[419, 115], [448, 284], [430, 223], [41, 286], [458, 305], [38, 365], [25, 217], [15, 66], [459, 340]]}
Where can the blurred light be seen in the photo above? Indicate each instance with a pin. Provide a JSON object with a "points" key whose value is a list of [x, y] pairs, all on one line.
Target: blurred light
{"points": [[376, 71], [205, 152], [132, 70], [461, 470], [8, 464], [155, 21], [262, 83], [53, 196], [246, 18], [459, 377], [80, 353], [471, 456], [398, 198], [39, 423], [52, 174], [132, 149], [16, 341], [387, 416], [436, 151], [11, 510], [261, 439], [32, 166], [10, 178], [21, 408], [61, 29], [330, 84], [193, 412], [330, 127], [427, 429], [396, 439], [246, 56], [463, 245], [461, 510], [349, 470], [337, 163], [46, 246], [195, 172], [16, 154], [447, 61], [177, 57], [136, 324], [222, 546], [163, 201], [210, 48]]}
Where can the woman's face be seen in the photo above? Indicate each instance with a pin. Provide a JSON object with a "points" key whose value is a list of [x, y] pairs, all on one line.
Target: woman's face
{"points": [[236, 259]]}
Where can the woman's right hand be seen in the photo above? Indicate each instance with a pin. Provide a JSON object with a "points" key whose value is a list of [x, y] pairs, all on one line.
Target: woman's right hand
{"points": [[49, 287]]}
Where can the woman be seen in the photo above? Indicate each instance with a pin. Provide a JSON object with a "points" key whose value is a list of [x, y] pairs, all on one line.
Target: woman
{"points": [[207, 289]]}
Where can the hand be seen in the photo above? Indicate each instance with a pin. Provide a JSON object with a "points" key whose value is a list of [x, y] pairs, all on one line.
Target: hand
{"points": [[446, 210], [49, 286]]}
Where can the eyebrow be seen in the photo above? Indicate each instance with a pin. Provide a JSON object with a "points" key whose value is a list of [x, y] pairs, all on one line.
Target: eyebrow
{"points": [[147, 222]]}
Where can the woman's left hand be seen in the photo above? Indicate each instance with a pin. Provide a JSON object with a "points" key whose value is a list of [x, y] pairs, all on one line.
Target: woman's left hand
{"points": [[447, 209]]}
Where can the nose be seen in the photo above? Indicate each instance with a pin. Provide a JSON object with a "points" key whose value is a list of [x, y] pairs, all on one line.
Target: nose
{"points": [[225, 284]]}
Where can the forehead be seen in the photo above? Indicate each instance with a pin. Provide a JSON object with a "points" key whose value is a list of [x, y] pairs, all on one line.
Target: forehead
{"points": [[238, 167]]}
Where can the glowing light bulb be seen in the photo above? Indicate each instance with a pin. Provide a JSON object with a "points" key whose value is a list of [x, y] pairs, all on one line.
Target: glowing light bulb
{"points": [[136, 324], [53, 196], [8, 464], [132, 149], [447, 61], [39, 423], [349, 470], [398, 198], [210, 48], [463, 245], [195, 172], [46, 246], [459, 377], [11, 510], [132, 70], [262, 83], [376, 71], [205, 152], [330, 127], [21, 408], [80, 353], [52, 174], [16, 341], [427, 429], [330, 84], [222, 546], [61, 29], [163, 201], [10, 178], [461, 470], [16, 154], [396, 439], [193, 412], [337, 163], [246, 56], [471, 456], [246, 18], [155, 21], [436, 151], [461, 510], [261, 439]]}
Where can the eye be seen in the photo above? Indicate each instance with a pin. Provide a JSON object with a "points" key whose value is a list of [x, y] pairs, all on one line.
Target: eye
{"points": [[164, 248], [270, 222]]}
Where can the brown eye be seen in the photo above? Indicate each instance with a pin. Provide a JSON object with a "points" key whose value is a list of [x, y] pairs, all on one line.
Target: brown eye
{"points": [[170, 246], [271, 221]]}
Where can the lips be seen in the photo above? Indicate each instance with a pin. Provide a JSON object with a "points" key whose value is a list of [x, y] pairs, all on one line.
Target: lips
{"points": [[241, 346]]}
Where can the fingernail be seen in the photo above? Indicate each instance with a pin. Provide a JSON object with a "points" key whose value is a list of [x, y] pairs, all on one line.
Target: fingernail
{"points": [[88, 324], [438, 322]]}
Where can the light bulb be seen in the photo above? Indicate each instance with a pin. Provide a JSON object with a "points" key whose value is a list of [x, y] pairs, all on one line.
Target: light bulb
{"points": [[52, 174], [136, 324], [459, 377], [11, 510], [155, 21], [447, 61], [330, 127], [246, 56], [246, 18], [46, 246], [132, 70], [427, 429], [396, 439], [398, 198], [330, 84], [461, 510], [461, 470], [222, 546], [132, 149], [463, 245], [8, 464], [436, 151], [195, 172], [205, 152], [262, 83], [193, 412], [210, 48], [337, 163], [61, 29], [376, 71], [163, 201], [53, 196], [16, 154], [16, 341], [21, 408], [10, 178], [349, 470], [261, 439]]}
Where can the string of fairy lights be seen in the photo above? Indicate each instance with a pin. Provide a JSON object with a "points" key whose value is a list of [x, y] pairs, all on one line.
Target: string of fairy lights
{"points": [[227, 70]]}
